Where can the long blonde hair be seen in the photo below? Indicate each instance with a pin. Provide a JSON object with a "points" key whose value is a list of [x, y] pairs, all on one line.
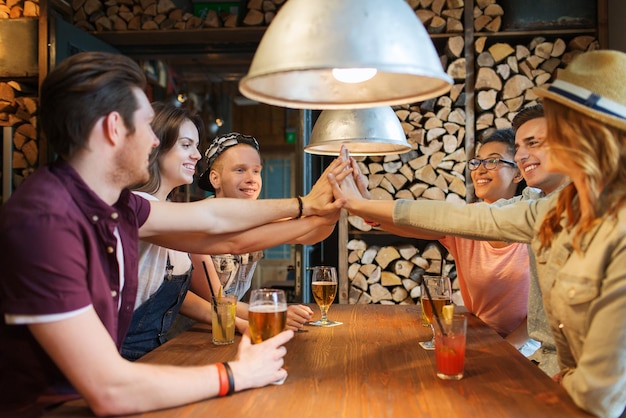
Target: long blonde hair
{"points": [[596, 150]]}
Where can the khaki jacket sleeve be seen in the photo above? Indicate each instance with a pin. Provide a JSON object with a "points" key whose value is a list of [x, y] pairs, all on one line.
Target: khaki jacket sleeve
{"points": [[515, 222]]}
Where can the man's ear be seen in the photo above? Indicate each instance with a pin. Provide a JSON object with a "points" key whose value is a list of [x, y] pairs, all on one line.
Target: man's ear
{"points": [[214, 178], [112, 125], [518, 177]]}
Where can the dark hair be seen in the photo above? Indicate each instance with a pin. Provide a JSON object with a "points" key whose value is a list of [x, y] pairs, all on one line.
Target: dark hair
{"points": [[166, 124], [82, 89], [505, 136], [526, 114]]}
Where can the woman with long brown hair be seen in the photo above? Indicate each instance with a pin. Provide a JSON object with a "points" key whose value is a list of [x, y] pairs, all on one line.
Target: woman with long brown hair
{"points": [[577, 234]]}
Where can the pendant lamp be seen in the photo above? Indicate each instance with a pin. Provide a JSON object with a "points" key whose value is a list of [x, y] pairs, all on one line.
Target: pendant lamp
{"points": [[370, 131], [344, 54]]}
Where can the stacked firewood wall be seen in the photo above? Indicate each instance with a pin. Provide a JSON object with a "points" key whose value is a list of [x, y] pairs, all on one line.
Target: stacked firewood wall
{"points": [[117, 15], [505, 74], [438, 16], [18, 110], [19, 103], [13, 9], [434, 169]]}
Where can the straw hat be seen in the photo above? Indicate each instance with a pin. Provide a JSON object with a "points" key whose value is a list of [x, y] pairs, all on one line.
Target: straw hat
{"points": [[217, 148], [594, 84]]}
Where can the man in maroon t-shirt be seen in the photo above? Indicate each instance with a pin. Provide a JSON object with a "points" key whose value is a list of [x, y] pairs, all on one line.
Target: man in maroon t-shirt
{"points": [[69, 238]]}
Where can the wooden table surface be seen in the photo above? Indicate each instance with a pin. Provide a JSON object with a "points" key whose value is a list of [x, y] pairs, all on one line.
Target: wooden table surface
{"points": [[372, 366]]}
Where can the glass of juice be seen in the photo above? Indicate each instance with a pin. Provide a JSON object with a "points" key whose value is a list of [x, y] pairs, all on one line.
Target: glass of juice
{"points": [[223, 321], [450, 347]]}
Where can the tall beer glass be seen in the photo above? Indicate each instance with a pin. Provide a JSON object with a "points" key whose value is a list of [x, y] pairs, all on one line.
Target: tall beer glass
{"points": [[267, 314], [324, 286], [440, 293]]}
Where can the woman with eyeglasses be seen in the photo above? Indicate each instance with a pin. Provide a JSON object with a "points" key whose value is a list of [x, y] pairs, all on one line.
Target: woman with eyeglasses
{"points": [[493, 276]]}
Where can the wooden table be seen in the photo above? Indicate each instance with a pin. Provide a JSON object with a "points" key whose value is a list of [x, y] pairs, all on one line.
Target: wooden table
{"points": [[372, 366]]}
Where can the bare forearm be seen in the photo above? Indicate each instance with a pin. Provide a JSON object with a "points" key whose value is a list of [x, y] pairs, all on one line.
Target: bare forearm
{"points": [[196, 308], [519, 336], [315, 236], [308, 230], [84, 351], [259, 238], [151, 387], [216, 216]]}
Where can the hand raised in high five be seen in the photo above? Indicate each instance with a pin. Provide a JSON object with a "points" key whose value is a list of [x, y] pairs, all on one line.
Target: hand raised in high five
{"points": [[352, 187], [320, 201], [352, 192]]}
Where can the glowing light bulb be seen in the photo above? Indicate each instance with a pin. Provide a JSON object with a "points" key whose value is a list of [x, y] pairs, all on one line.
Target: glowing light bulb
{"points": [[353, 75]]}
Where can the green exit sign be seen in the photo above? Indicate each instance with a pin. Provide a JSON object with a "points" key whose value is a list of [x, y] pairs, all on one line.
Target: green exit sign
{"points": [[290, 137]]}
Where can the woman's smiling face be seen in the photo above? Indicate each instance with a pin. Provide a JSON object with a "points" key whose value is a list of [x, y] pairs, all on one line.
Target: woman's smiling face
{"points": [[499, 183]]}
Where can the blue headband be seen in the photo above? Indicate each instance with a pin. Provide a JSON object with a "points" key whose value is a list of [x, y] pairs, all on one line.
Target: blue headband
{"points": [[588, 98]]}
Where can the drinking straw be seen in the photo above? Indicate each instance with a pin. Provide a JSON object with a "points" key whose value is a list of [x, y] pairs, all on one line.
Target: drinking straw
{"points": [[206, 273], [435, 314]]}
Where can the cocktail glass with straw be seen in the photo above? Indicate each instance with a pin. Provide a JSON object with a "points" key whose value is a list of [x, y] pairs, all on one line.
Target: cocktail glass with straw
{"points": [[214, 303]]}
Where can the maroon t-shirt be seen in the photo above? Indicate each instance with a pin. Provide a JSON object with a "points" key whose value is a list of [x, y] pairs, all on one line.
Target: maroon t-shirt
{"points": [[58, 254]]}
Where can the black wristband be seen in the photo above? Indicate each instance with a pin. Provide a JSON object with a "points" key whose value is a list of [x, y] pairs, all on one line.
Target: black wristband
{"points": [[231, 379], [300, 207]]}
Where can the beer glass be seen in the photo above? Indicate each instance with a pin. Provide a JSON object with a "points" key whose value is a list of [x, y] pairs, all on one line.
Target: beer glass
{"points": [[267, 313], [324, 286], [440, 293]]}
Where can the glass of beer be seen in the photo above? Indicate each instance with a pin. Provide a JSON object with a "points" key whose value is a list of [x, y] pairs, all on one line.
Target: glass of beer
{"points": [[324, 287], [267, 314], [440, 293]]}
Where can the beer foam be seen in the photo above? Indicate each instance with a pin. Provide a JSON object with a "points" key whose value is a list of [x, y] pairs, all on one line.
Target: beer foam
{"points": [[267, 308]]}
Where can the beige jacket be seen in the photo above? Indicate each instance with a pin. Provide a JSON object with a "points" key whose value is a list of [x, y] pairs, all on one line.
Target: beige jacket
{"points": [[584, 294]]}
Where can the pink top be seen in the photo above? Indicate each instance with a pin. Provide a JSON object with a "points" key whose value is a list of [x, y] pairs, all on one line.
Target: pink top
{"points": [[493, 281]]}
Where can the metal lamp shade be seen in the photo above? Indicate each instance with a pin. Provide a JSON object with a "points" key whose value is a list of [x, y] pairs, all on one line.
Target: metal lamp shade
{"points": [[307, 39], [371, 131]]}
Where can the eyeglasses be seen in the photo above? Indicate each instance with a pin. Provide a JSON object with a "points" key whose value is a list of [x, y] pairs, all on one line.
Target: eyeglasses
{"points": [[488, 163]]}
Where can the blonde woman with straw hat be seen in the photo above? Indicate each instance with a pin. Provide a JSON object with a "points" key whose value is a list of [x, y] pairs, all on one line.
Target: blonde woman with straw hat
{"points": [[577, 234]]}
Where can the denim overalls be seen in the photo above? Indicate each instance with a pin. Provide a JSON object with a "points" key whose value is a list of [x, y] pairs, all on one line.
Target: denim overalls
{"points": [[155, 316]]}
